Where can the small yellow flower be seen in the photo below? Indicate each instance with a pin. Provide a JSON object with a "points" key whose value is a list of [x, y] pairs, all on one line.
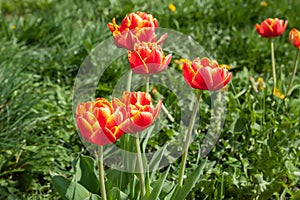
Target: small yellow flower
{"points": [[277, 93], [260, 82], [180, 62], [264, 3], [172, 7], [13, 27], [225, 66]]}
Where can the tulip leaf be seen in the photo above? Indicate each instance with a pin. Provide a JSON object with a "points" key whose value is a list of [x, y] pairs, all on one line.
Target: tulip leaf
{"points": [[189, 183], [69, 190], [116, 178], [147, 184], [93, 197], [116, 193], [158, 185], [171, 193], [145, 139], [85, 174], [155, 160], [294, 88]]}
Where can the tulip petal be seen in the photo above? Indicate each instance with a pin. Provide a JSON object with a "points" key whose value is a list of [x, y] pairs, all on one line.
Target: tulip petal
{"points": [[102, 137], [165, 64], [224, 82], [142, 120], [102, 115], [162, 39], [188, 73], [84, 127], [204, 78], [205, 62]]}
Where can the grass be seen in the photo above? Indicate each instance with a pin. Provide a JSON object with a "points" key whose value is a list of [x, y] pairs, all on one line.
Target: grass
{"points": [[43, 44]]}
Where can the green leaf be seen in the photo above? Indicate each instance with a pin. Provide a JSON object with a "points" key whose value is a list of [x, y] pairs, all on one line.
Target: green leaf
{"points": [[157, 187], [116, 193], [155, 160], [171, 193], [293, 171], [132, 187], [145, 139], [116, 178], [221, 189], [85, 174], [93, 197], [147, 184], [296, 195], [69, 190], [189, 183]]}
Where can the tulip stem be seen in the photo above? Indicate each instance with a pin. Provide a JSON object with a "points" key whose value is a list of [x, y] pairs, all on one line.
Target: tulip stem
{"points": [[128, 84], [188, 138], [147, 83], [273, 64], [101, 172], [141, 167], [294, 73]]}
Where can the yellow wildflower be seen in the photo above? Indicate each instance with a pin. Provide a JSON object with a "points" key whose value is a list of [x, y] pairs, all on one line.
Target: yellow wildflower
{"points": [[225, 66], [260, 82], [13, 27], [180, 62], [264, 3], [172, 7], [277, 93]]}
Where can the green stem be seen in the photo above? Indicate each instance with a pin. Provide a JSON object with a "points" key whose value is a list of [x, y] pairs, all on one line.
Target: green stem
{"points": [[294, 73], [273, 64], [188, 138], [171, 118], [141, 167], [128, 84], [101, 172], [147, 83]]}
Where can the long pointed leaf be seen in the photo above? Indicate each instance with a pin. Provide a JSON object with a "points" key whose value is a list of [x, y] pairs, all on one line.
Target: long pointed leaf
{"points": [[69, 190], [189, 183], [85, 174], [155, 160], [158, 186]]}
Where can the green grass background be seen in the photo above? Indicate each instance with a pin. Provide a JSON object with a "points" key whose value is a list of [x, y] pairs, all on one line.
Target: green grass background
{"points": [[43, 43]]}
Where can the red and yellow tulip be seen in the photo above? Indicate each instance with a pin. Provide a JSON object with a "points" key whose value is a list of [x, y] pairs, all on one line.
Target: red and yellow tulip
{"points": [[134, 28], [205, 74], [148, 58], [99, 122], [140, 111], [294, 37], [271, 27]]}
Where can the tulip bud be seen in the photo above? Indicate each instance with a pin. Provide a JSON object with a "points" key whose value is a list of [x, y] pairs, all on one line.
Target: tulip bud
{"points": [[294, 37]]}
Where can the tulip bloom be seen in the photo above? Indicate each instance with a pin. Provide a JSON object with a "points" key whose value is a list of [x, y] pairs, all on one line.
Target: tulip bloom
{"points": [[140, 111], [99, 123], [271, 27], [294, 37], [148, 58], [205, 74], [134, 28]]}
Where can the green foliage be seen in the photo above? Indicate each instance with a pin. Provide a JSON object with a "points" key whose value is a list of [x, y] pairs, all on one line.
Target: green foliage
{"points": [[43, 44]]}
